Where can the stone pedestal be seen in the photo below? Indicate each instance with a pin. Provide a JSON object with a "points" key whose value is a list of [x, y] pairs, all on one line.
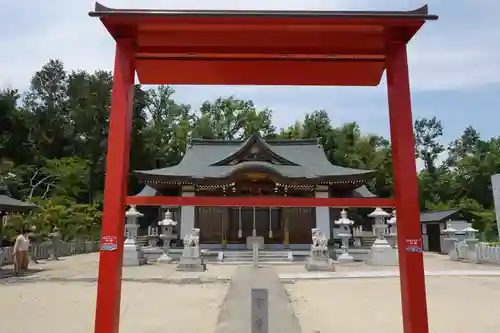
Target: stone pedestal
{"points": [[449, 244], [191, 265], [318, 259], [471, 244], [132, 254], [320, 264], [191, 260], [382, 254], [259, 240], [345, 257], [451, 248]]}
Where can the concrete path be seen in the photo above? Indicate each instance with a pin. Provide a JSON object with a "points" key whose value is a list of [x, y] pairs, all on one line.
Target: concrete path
{"points": [[235, 313]]}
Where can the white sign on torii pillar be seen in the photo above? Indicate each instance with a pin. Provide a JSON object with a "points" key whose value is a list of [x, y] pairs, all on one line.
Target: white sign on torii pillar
{"points": [[495, 184]]}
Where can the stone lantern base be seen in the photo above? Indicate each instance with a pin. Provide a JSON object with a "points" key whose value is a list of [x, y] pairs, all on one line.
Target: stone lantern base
{"points": [[164, 259], [345, 257], [382, 254], [133, 255]]}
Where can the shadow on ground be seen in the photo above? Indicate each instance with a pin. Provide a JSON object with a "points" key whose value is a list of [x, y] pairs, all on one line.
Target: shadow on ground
{"points": [[8, 273]]}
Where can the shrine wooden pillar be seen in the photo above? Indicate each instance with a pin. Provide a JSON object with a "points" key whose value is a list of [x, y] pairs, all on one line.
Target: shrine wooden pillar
{"points": [[411, 265], [107, 316]]}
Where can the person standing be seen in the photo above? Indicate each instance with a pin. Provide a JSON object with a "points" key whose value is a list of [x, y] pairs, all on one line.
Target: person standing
{"points": [[33, 243], [21, 251]]}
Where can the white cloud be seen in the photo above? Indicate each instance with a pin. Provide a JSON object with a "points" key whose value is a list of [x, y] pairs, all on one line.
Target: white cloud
{"points": [[451, 53], [441, 57]]}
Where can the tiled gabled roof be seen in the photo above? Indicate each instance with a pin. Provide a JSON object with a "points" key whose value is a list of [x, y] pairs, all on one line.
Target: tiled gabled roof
{"points": [[307, 157]]}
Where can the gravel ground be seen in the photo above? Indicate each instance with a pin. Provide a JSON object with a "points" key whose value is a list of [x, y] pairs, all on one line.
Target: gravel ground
{"points": [[455, 304], [60, 297]]}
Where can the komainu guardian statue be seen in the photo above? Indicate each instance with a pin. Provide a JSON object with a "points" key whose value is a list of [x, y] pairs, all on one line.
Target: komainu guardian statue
{"points": [[191, 259], [318, 258]]}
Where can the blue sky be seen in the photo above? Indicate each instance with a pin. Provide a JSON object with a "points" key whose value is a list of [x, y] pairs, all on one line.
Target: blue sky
{"points": [[454, 62]]}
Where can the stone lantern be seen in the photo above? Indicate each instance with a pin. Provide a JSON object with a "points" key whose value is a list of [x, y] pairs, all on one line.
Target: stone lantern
{"points": [[131, 225], [345, 234], [470, 233], [393, 229], [381, 252], [450, 240], [379, 227], [470, 238], [167, 234], [449, 231], [132, 252]]}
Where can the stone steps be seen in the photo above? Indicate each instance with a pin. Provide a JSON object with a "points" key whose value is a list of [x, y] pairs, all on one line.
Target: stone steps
{"points": [[368, 241], [264, 256]]}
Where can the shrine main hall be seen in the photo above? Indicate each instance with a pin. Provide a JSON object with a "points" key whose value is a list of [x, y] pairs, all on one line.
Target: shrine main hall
{"points": [[253, 167]]}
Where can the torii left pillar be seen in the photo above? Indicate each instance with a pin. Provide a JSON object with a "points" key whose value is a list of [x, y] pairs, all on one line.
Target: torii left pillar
{"points": [[115, 192]]}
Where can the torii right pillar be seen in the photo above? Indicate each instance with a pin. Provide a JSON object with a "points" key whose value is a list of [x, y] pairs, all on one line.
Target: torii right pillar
{"points": [[411, 265]]}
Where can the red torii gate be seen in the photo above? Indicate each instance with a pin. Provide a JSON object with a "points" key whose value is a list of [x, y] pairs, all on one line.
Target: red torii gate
{"points": [[318, 48]]}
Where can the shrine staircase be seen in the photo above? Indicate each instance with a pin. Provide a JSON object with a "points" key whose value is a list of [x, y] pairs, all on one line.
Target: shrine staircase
{"points": [[265, 256], [368, 241]]}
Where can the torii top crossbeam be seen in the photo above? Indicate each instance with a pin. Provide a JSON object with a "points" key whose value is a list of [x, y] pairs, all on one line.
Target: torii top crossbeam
{"points": [[261, 47]]}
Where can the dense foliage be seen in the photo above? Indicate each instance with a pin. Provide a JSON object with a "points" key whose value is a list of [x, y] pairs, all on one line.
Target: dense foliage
{"points": [[53, 145]]}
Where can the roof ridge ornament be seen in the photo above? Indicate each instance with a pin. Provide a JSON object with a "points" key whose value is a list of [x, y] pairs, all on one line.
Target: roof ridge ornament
{"points": [[254, 144]]}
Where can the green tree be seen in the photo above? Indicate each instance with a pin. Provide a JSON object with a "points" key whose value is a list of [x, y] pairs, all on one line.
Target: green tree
{"points": [[231, 118], [169, 128]]}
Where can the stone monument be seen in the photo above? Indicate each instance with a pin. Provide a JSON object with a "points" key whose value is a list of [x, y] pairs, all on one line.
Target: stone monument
{"points": [[132, 252], [167, 225], [318, 259], [357, 233], [153, 236], [191, 259], [152, 251], [55, 241], [345, 234], [381, 252]]}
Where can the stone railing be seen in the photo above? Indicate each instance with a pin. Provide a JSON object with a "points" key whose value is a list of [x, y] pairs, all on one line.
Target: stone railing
{"points": [[488, 253], [42, 251], [480, 253]]}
